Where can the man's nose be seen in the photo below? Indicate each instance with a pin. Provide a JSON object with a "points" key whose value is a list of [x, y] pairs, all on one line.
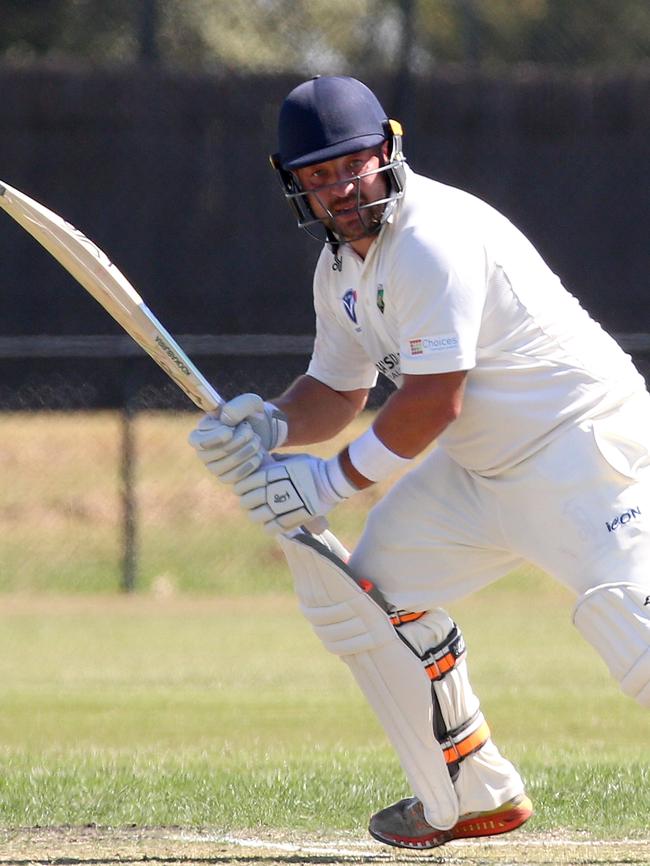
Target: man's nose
{"points": [[343, 186]]}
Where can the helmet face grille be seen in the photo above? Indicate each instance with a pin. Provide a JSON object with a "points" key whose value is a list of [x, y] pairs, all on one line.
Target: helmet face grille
{"points": [[325, 118], [371, 214]]}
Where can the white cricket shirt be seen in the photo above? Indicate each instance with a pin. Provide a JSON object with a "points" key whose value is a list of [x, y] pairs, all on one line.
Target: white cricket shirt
{"points": [[450, 284]]}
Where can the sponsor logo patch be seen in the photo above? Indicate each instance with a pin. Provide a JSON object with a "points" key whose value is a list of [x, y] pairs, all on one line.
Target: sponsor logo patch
{"points": [[350, 304], [622, 519], [389, 366], [431, 345]]}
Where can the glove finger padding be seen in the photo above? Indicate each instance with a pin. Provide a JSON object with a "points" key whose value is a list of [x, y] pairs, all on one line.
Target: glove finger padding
{"points": [[228, 445], [269, 422], [271, 498], [210, 432], [233, 467], [241, 407], [221, 441], [253, 499], [234, 457]]}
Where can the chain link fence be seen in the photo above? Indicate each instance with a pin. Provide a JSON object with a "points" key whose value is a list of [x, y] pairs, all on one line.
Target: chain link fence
{"points": [[95, 500]]}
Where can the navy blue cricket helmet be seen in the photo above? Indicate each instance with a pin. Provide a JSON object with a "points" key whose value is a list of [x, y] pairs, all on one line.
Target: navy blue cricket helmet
{"points": [[325, 118]]}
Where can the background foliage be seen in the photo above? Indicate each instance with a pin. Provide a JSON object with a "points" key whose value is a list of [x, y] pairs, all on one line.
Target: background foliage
{"points": [[329, 35]]}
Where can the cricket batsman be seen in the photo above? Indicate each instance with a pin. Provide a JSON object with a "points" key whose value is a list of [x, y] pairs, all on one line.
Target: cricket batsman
{"points": [[542, 425]]}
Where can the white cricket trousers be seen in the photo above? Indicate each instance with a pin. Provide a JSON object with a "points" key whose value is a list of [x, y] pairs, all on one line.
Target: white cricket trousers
{"points": [[579, 509]]}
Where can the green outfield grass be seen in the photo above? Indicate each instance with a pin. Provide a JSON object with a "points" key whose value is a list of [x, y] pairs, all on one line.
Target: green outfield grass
{"points": [[227, 713], [204, 699]]}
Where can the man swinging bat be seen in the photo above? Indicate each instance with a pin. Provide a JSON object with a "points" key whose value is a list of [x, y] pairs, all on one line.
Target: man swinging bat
{"points": [[543, 451]]}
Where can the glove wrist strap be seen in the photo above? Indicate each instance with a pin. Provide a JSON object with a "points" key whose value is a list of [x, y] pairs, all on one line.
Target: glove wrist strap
{"points": [[279, 425], [341, 485]]}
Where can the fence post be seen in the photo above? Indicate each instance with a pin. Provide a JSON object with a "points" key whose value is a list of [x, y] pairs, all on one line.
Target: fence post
{"points": [[403, 98], [148, 31], [129, 507], [470, 30]]}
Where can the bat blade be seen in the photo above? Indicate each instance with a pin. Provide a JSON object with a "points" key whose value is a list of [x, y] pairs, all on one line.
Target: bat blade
{"points": [[92, 268]]}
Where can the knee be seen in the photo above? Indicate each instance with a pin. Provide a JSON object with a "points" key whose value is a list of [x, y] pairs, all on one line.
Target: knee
{"points": [[615, 619]]}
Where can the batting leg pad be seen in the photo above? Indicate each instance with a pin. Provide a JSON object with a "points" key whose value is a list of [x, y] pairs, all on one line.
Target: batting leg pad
{"points": [[483, 778], [615, 619], [354, 626]]}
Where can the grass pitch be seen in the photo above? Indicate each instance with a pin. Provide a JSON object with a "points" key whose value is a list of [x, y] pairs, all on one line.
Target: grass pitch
{"points": [[204, 702], [227, 713], [92, 846]]}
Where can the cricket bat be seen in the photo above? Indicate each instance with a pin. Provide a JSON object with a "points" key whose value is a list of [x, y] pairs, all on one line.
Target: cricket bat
{"points": [[91, 267]]}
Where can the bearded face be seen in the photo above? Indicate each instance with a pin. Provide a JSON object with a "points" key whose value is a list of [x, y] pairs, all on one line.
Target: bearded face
{"points": [[347, 195]]}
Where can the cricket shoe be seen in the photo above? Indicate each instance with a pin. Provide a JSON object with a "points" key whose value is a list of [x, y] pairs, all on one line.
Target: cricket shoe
{"points": [[403, 824]]}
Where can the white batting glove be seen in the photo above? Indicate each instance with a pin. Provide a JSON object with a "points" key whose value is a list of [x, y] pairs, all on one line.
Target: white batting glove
{"points": [[292, 491], [269, 422], [235, 444]]}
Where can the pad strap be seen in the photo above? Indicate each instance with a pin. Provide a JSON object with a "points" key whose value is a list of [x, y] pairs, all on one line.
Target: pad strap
{"points": [[466, 739], [401, 617], [460, 729], [440, 660]]}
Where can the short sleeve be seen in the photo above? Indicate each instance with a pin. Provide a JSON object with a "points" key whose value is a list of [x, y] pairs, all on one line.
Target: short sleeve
{"points": [[337, 359], [441, 289]]}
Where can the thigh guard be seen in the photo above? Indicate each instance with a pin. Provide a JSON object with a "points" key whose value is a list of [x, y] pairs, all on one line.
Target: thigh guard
{"points": [[351, 619], [615, 619]]}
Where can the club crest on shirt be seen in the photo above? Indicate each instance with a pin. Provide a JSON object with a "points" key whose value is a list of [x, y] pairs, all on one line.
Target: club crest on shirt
{"points": [[381, 306], [350, 304]]}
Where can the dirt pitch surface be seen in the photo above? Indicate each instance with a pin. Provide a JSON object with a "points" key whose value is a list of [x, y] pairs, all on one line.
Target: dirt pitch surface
{"points": [[93, 846]]}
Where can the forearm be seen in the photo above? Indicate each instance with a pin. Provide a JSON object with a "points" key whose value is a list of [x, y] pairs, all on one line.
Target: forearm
{"points": [[408, 426], [409, 421], [401, 433], [316, 412]]}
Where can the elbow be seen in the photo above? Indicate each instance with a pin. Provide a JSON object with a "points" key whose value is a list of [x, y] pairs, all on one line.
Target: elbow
{"points": [[455, 408], [454, 401]]}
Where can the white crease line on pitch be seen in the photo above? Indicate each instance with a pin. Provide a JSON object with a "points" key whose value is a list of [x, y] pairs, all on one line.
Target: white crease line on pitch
{"points": [[355, 849]]}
